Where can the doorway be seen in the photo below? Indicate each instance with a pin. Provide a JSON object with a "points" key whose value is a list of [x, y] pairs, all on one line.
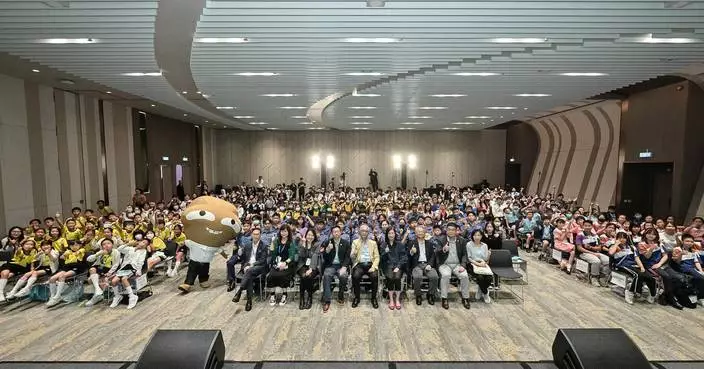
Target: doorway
{"points": [[513, 175], [647, 189], [166, 179]]}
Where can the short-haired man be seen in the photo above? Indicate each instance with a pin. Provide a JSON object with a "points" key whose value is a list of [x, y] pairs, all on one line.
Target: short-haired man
{"points": [[254, 264], [336, 262], [365, 260], [422, 263], [589, 248], [452, 259]]}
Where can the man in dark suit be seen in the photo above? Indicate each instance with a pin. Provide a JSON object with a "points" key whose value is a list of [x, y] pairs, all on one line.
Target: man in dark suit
{"points": [[254, 265], [336, 262], [422, 263], [452, 259]]}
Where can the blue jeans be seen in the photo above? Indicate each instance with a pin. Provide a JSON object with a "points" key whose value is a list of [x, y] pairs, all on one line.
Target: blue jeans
{"points": [[328, 275], [231, 262]]}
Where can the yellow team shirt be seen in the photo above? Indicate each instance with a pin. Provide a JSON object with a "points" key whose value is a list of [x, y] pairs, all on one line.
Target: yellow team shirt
{"points": [[180, 240], [22, 259], [141, 226], [60, 245], [158, 244], [106, 260], [105, 211], [44, 260], [164, 234], [72, 236], [72, 257]]}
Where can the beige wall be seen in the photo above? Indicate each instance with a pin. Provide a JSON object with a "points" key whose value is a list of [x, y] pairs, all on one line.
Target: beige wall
{"points": [[579, 153], [284, 156], [51, 152]]}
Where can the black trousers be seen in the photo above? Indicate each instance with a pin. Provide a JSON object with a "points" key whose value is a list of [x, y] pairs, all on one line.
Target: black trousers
{"points": [[483, 280], [250, 275], [639, 278], [280, 278], [358, 272], [393, 279], [307, 281], [199, 270]]}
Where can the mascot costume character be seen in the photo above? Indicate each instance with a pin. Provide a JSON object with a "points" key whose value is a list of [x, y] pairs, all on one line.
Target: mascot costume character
{"points": [[208, 223]]}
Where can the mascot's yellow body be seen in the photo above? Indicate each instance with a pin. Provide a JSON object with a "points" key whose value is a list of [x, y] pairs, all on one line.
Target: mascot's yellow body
{"points": [[208, 223]]}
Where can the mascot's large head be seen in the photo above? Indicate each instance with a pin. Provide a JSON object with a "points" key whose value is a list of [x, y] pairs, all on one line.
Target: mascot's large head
{"points": [[210, 221]]}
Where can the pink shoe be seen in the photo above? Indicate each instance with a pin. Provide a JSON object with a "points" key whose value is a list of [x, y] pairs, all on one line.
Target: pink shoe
{"points": [[398, 305], [391, 305]]}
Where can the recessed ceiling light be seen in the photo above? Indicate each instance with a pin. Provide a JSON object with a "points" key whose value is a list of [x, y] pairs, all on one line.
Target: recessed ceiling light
{"points": [[406, 128], [448, 95], [153, 105], [256, 74], [258, 123], [243, 116], [362, 107], [374, 40], [141, 74], [478, 117], [433, 107], [532, 95], [184, 92], [364, 74], [220, 40], [464, 123], [306, 123], [185, 115], [293, 107], [420, 117], [316, 128], [222, 126], [519, 40], [361, 117], [360, 128], [58, 41], [361, 123], [278, 95], [501, 107], [649, 39], [450, 128], [225, 107], [412, 123], [35, 70], [108, 92], [475, 74], [67, 82], [525, 108], [272, 128], [584, 74], [299, 117]]}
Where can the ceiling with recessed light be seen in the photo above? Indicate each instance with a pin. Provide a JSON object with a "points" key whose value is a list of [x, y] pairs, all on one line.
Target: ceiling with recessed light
{"points": [[355, 64]]}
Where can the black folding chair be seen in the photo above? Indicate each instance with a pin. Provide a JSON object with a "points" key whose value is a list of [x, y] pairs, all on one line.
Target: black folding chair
{"points": [[502, 265]]}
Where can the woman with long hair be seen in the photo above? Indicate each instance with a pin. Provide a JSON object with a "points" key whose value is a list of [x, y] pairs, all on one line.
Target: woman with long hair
{"points": [[13, 239], [308, 267], [396, 259], [283, 252]]}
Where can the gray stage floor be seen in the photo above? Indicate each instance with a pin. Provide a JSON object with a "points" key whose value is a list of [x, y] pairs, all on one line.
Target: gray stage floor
{"points": [[503, 331]]}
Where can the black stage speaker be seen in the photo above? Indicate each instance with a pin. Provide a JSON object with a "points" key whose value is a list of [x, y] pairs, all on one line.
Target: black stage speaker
{"points": [[183, 349], [600, 348]]}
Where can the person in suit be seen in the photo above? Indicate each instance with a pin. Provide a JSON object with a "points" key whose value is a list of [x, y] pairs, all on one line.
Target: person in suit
{"points": [[254, 264], [452, 259], [365, 260], [336, 262], [423, 263]]}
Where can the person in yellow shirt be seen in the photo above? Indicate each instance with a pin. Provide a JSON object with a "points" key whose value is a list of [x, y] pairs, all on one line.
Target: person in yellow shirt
{"points": [[34, 224], [39, 236], [180, 239], [71, 230], [139, 223], [104, 265], [77, 214], [21, 263], [88, 241], [46, 262], [57, 241], [162, 231], [74, 263], [127, 232], [102, 209], [156, 251]]}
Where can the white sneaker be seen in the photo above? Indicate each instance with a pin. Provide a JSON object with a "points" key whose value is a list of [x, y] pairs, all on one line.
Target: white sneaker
{"points": [[22, 293], [2, 297], [487, 299], [701, 302], [595, 282], [282, 302], [650, 299], [629, 297], [132, 301], [478, 295], [53, 301], [272, 300], [116, 301], [94, 300], [10, 295]]}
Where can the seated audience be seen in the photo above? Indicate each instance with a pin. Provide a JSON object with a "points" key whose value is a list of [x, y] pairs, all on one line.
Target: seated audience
{"points": [[478, 255], [452, 259], [365, 261], [422, 263], [396, 256]]}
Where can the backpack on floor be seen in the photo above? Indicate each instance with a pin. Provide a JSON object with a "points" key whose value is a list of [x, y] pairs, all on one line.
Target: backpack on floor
{"points": [[39, 292]]}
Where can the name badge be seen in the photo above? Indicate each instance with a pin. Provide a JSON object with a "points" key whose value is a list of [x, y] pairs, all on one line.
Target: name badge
{"points": [[278, 259], [308, 262]]}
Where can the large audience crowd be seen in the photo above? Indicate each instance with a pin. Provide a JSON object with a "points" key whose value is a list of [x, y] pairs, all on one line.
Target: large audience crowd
{"points": [[325, 238]]}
